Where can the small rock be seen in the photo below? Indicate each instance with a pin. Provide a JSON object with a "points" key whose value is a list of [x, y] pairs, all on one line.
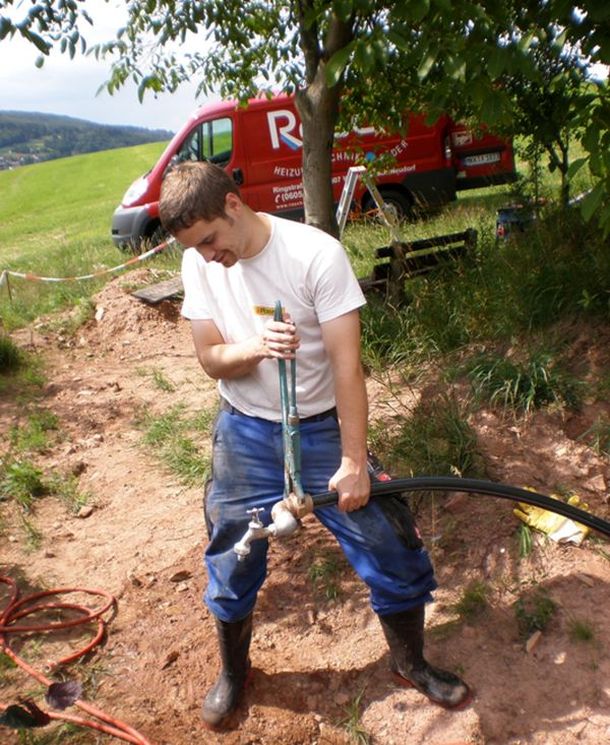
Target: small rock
{"points": [[170, 659], [79, 467], [182, 587], [85, 511], [12, 539], [560, 658], [531, 643], [135, 581], [181, 576], [578, 729], [99, 313], [311, 616], [597, 483], [342, 698]]}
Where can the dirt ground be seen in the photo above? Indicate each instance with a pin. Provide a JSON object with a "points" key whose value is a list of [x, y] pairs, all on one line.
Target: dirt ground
{"points": [[312, 657]]}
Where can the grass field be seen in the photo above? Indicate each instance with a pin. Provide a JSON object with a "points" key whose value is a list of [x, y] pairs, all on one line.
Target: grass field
{"points": [[55, 219], [49, 207]]}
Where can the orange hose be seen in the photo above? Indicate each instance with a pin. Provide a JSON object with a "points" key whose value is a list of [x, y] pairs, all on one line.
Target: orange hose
{"points": [[17, 609]]}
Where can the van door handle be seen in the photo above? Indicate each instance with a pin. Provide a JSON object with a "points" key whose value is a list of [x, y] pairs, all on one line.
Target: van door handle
{"points": [[238, 176]]}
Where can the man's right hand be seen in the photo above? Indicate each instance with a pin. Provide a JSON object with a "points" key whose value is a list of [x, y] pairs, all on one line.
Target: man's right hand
{"points": [[280, 339]]}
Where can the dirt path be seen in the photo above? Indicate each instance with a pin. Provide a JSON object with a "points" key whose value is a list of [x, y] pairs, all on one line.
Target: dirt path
{"points": [[312, 657]]}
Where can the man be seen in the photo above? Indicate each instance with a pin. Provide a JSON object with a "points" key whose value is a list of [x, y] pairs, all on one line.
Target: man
{"points": [[238, 265]]}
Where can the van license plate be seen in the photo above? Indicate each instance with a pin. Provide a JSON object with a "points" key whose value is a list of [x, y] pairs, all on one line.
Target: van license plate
{"points": [[482, 159]]}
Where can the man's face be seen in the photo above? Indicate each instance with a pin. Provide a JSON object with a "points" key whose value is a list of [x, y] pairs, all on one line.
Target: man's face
{"points": [[219, 240]]}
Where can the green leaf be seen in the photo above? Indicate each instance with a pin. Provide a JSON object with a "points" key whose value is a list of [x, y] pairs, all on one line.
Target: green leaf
{"points": [[37, 41], [592, 201], [496, 63], [343, 9], [455, 67], [337, 64], [6, 28], [575, 166], [426, 64], [417, 10]]}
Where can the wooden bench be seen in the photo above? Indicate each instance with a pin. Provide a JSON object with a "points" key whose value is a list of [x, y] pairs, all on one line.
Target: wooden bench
{"points": [[407, 260]]}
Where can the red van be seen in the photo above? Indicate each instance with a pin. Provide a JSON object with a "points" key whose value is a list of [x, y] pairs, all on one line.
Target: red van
{"points": [[260, 147]]}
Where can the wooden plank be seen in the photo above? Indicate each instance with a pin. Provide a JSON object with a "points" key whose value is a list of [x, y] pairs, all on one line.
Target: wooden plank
{"points": [[154, 294]]}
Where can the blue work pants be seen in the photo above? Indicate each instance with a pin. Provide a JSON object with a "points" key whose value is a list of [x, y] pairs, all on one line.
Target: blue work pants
{"points": [[248, 471]]}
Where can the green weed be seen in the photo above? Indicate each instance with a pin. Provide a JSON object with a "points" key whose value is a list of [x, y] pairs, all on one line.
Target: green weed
{"points": [[522, 387], [386, 336], [33, 436], [170, 434], [525, 541], [473, 601], [162, 428], [33, 536], [352, 724], [186, 460], [580, 630], [435, 440], [11, 357], [66, 488], [81, 312], [65, 733], [533, 612], [324, 573], [6, 664], [22, 481], [162, 382], [598, 436]]}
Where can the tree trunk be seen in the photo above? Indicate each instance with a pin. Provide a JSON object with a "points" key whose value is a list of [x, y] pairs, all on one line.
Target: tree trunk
{"points": [[318, 107]]}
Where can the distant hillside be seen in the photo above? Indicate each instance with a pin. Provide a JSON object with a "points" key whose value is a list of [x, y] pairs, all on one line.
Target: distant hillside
{"points": [[31, 137]]}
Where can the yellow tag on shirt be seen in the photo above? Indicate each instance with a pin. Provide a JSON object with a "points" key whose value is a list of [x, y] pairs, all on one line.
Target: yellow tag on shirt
{"points": [[264, 310]]}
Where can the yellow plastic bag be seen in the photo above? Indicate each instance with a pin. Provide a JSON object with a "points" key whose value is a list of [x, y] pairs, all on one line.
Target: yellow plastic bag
{"points": [[557, 527]]}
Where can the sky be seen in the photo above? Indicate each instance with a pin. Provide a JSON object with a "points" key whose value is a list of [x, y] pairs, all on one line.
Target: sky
{"points": [[68, 86]]}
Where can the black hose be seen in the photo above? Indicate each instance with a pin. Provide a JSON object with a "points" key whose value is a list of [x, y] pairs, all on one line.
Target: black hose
{"points": [[476, 486]]}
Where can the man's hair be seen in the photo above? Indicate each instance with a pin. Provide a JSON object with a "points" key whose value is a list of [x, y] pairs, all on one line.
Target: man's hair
{"points": [[191, 192]]}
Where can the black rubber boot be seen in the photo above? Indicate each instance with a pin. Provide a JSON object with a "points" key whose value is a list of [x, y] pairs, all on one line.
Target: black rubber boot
{"points": [[223, 697], [404, 633]]}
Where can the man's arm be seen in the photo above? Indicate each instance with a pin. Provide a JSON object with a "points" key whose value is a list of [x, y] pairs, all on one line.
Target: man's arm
{"points": [[222, 360], [341, 338]]}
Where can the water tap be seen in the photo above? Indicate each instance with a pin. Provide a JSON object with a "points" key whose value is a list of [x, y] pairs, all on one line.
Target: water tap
{"points": [[284, 523]]}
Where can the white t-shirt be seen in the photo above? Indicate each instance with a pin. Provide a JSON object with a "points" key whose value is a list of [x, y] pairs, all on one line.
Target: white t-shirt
{"points": [[309, 272]]}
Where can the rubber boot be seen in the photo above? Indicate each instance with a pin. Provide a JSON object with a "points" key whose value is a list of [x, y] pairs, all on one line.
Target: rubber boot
{"points": [[404, 633], [222, 699]]}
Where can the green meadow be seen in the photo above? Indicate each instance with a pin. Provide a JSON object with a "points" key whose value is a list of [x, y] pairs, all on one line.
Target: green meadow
{"points": [[55, 221]]}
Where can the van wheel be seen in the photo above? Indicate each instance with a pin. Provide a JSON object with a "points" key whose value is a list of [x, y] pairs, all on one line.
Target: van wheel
{"points": [[398, 202]]}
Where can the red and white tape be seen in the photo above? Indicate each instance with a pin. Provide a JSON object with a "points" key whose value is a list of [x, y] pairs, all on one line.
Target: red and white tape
{"points": [[37, 278]]}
